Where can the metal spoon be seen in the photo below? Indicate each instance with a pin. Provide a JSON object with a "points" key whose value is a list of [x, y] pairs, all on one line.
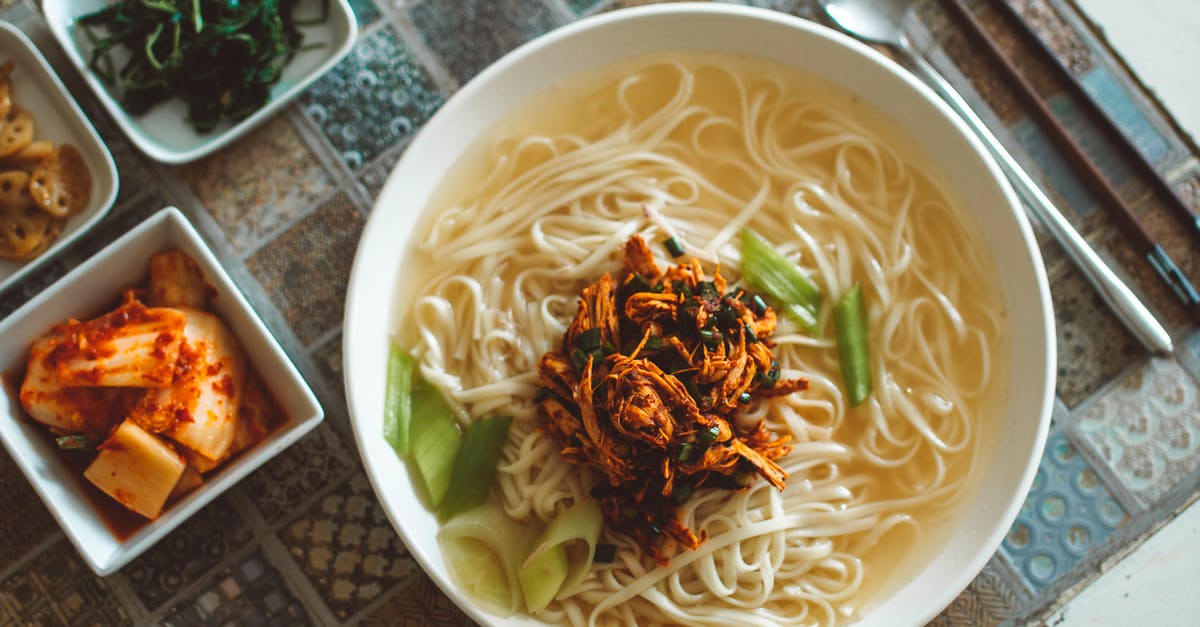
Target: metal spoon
{"points": [[880, 22]]}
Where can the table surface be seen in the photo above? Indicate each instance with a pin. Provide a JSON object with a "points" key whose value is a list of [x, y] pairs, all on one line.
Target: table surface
{"points": [[303, 539]]}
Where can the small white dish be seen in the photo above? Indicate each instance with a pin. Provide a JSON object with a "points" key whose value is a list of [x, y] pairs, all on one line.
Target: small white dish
{"points": [[163, 133], [57, 118], [84, 292]]}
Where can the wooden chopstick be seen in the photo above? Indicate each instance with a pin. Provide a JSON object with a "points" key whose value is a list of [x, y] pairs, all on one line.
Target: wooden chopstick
{"points": [[1083, 165], [1102, 119]]}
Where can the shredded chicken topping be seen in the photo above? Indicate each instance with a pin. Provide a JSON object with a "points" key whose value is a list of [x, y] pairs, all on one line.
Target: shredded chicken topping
{"points": [[645, 387]]}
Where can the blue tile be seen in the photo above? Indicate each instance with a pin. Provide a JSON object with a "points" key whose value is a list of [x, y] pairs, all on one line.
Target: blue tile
{"points": [[581, 7], [470, 34], [803, 8], [1115, 101], [377, 97], [365, 11], [1095, 144], [1067, 514], [1048, 162]]}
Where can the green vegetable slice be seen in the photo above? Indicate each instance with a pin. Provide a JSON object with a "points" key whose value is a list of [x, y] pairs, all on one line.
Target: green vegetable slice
{"points": [[850, 319], [561, 556], [483, 548], [772, 273], [434, 440], [397, 404], [475, 467]]}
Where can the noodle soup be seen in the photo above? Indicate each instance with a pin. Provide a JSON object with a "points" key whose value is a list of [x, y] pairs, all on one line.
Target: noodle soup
{"points": [[713, 143]]}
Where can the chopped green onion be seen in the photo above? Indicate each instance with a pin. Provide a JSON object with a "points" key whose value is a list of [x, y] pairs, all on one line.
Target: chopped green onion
{"points": [[751, 336], [681, 493], [397, 403], [674, 248], [727, 316], [74, 443], [475, 466], [589, 340], [578, 359], [685, 452], [758, 305], [770, 377], [745, 398], [637, 283], [766, 268], [850, 320], [711, 337], [709, 435], [654, 342]]}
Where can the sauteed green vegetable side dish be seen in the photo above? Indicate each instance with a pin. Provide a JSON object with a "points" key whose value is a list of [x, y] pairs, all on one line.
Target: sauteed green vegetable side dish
{"points": [[221, 57]]}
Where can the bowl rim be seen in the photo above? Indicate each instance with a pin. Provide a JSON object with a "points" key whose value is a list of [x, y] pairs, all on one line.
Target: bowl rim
{"points": [[107, 178], [59, 16], [363, 288], [242, 318]]}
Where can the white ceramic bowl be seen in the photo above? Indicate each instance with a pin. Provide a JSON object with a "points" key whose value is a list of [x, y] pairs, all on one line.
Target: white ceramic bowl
{"points": [[163, 133], [57, 118], [82, 293], [1013, 455]]}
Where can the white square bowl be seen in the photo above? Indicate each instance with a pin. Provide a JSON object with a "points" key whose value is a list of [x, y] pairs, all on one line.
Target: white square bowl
{"points": [[163, 133], [57, 118], [84, 293]]}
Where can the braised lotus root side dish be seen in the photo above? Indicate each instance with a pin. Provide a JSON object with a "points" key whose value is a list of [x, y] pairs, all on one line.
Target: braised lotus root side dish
{"points": [[41, 185], [646, 387], [157, 392]]}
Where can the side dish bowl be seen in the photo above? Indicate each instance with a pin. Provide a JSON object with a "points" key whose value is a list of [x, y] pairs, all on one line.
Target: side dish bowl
{"points": [[57, 118], [1011, 459], [85, 292], [163, 133]]}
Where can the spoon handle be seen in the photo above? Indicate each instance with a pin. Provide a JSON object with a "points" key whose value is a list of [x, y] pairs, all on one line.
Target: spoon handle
{"points": [[1124, 303]]}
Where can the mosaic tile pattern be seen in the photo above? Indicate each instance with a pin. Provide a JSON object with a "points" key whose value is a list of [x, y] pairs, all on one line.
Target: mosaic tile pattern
{"points": [[1147, 429], [24, 520], [1067, 514], [990, 600], [417, 597], [347, 547], [290, 202], [377, 97], [248, 593], [58, 588], [469, 34], [306, 268], [259, 184], [288, 480], [1093, 347], [206, 538]]}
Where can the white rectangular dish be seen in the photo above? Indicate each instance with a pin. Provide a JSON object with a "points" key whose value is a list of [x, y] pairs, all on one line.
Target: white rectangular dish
{"points": [[163, 133], [83, 293], [57, 118]]}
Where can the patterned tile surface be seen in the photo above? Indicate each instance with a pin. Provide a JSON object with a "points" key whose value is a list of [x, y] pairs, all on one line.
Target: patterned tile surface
{"points": [[289, 203], [1147, 429], [250, 592], [206, 539], [287, 481], [470, 34], [1067, 514], [347, 547], [306, 268], [262, 182], [57, 588], [377, 97], [1093, 347], [24, 520]]}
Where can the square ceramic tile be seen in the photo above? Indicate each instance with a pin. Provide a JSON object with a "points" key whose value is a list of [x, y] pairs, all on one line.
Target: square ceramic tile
{"points": [[376, 98], [348, 548], [1115, 101], [1093, 346], [249, 592], [365, 12], [24, 521], [187, 553], [376, 175], [418, 597], [991, 599], [57, 588], [1067, 515], [259, 183], [305, 269], [280, 487], [1147, 429], [469, 34]]}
